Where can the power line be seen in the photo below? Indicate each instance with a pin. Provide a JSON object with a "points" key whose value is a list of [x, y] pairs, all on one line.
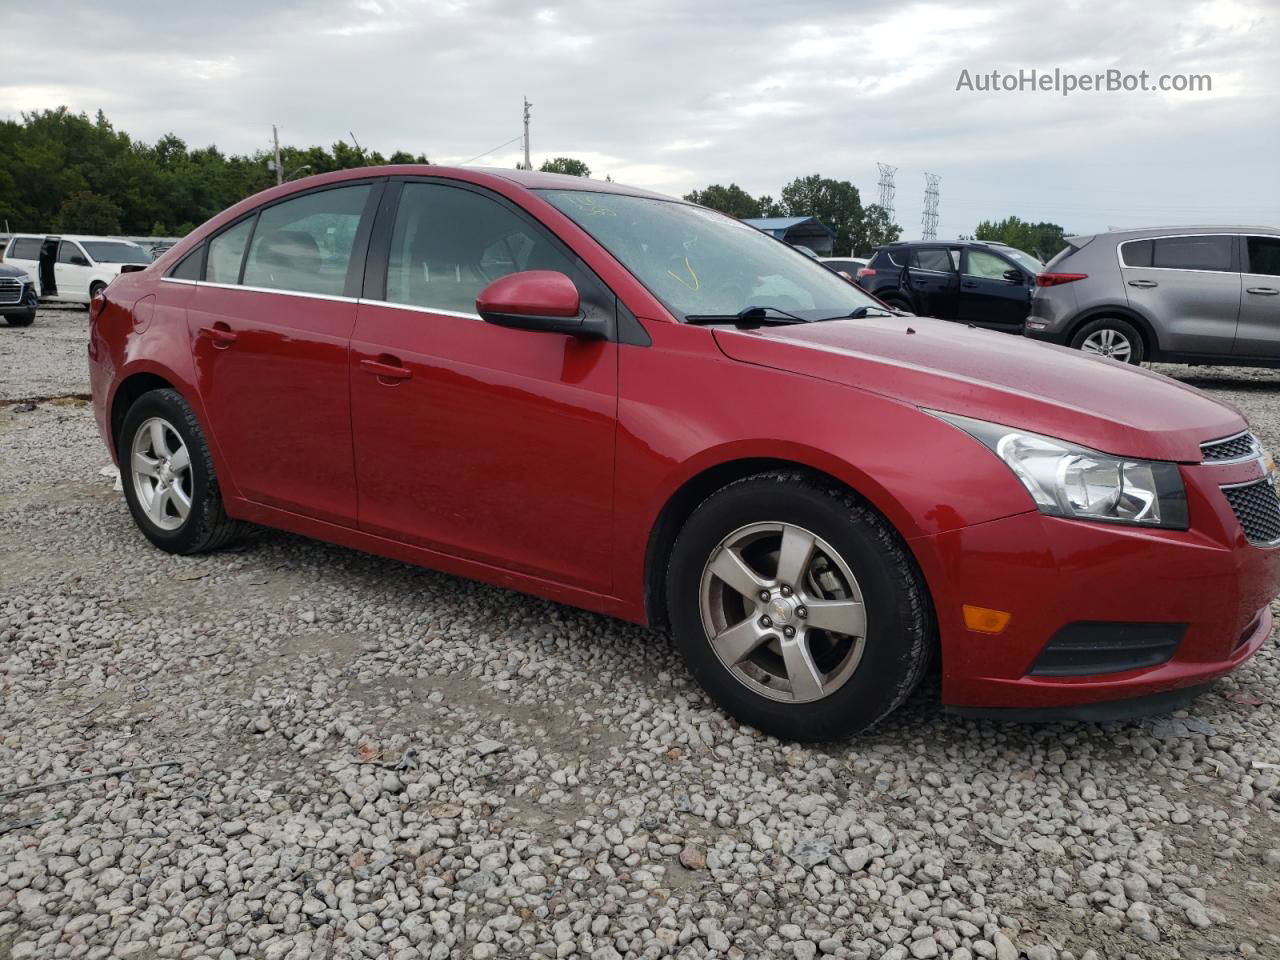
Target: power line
{"points": [[487, 152]]}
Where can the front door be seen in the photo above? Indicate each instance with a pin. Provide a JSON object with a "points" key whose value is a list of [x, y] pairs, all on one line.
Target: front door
{"points": [[486, 443], [934, 281], [72, 272], [1258, 332], [990, 296], [1189, 288], [270, 330]]}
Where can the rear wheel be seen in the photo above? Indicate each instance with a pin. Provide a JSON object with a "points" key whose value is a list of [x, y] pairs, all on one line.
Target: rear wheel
{"points": [[898, 304], [797, 608], [168, 478], [1110, 337], [96, 288], [20, 319]]}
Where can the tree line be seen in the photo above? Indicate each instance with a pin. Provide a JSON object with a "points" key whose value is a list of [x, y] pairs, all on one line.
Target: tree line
{"points": [[67, 172]]}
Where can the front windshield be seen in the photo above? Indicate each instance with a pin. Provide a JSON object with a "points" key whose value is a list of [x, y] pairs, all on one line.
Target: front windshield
{"points": [[1024, 260], [114, 251], [702, 263]]}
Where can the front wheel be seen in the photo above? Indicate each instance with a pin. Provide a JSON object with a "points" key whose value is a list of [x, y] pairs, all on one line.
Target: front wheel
{"points": [[168, 478], [1110, 337], [797, 608], [20, 319]]}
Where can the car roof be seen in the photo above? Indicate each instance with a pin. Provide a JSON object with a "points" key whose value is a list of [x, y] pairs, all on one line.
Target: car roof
{"points": [[1199, 229], [943, 243]]}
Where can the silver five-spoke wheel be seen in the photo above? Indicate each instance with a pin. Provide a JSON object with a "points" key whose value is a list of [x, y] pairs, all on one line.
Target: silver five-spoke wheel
{"points": [[783, 612], [161, 468], [1108, 342]]}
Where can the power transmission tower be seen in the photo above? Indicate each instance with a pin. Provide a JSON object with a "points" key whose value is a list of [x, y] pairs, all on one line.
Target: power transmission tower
{"points": [[930, 219], [886, 188], [275, 137], [528, 164]]}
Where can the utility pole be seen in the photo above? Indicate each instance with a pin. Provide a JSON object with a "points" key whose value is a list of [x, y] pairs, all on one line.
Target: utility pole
{"points": [[528, 164], [929, 221], [275, 137]]}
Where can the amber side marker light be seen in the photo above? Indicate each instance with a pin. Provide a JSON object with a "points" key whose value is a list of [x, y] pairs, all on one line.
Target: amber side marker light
{"points": [[984, 619]]}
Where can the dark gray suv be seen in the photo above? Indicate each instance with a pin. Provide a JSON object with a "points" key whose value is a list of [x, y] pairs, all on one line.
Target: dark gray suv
{"points": [[1174, 294]]}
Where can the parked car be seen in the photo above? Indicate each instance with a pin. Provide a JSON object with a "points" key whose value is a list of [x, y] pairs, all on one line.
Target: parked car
{"points": [[644, 408], [985, 284], [72, 268], [17, 295], [848, 267], [1177, 294]]}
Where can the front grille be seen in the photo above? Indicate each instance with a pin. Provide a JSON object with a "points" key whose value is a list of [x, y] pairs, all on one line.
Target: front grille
{"points": [[1258, 510], [10, 290], [1240, 447], [1089, 647]]}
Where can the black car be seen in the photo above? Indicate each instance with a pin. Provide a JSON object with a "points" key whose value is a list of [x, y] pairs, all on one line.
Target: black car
{"points": [[17, 296], [973, 281]]}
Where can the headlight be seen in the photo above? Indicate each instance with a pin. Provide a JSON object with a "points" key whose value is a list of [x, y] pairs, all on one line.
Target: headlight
{"points": [[1066, 480]]}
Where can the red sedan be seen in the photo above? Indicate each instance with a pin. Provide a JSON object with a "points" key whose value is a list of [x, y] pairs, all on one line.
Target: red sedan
{"points": [[641, 407]]}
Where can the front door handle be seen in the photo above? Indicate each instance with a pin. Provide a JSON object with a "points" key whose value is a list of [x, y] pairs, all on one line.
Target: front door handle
{"points": [[1263, 291], [386, 368], [969, 284], [1143, 283], [221, 335]]}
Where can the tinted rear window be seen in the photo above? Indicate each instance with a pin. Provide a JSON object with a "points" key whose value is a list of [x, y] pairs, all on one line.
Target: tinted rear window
{"points": [[1264, 256], [1192, 253], [890, 258], [1137, 253], [189, 267], [24, 248], [934, 258]]}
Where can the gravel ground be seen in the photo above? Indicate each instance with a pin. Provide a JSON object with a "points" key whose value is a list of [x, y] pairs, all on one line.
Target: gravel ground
{"points": [[331, 755]]}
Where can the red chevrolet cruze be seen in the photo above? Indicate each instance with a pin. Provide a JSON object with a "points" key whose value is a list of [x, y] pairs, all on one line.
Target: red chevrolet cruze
{"points": [[641, 407]]}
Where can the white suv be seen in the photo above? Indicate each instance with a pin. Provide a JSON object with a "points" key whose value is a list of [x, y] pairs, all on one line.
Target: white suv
{"points": [[72, 267]]}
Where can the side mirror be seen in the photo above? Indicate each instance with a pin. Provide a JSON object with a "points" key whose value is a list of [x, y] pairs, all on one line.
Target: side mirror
{"points": [[1015, 276], [79, 261], [540, 300]]}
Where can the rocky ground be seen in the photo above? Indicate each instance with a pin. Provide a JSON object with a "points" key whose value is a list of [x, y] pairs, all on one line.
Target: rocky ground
{"points": [[293, 750]]}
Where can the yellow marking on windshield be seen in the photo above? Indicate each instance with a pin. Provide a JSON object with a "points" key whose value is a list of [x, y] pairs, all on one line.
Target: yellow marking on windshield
{"points": [[696, 285]]}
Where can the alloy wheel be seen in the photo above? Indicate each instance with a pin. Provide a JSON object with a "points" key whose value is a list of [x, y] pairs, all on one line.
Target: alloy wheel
{"points": [[161, 470], [783, 612], [1108, 342]]}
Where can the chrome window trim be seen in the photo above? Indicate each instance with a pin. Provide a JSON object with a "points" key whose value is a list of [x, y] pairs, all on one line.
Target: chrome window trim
{"points": [[1176, 236], [417, 309], [326, 296], [192, 283]]}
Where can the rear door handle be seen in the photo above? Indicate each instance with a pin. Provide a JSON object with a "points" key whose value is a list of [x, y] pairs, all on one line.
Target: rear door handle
{"points": [[387, 368], [969, 284], [1263, 291], [1143, 283], [221, 335]]}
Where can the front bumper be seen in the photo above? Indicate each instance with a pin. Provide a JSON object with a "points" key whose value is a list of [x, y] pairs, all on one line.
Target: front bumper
{"points": [[26, 306], [1049, 572]]}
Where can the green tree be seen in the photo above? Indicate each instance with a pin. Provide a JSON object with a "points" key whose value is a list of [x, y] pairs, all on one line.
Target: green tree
{"points": [[1043, 240], [569, 165], [835, 202], [87, 212], [732, 200], [770, 207], [876, 229]]}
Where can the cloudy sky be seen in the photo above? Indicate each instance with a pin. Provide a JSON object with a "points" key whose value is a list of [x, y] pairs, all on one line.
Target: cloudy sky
{"points": [[673, 95]]}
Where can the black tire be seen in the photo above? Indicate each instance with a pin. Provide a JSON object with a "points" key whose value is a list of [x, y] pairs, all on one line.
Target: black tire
{"points": [[900, 632], [898, 304], [96, 288], [207, 526], [20, 319], [1118, 329]]}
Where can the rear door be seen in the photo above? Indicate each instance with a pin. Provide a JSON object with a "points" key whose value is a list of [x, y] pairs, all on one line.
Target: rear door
{"points": [[933, 279], [73, 272], [1188, 287], [990, 296], [1258, 332], [472, 439], [271, 325]]}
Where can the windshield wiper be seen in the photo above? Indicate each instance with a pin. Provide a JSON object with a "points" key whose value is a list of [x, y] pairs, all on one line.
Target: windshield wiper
{"points": [[748, 318], [864, 311]]}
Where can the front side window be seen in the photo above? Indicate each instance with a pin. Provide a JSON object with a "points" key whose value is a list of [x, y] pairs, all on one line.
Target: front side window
{"points": [[1264, 256], [113, 251], [702, 263], [68, 252], [226, 251], [1192, 253], [979, 263], [449, 243], [304, 244]]}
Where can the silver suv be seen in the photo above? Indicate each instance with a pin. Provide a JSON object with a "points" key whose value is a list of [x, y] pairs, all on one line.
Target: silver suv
{"points": [[1175, 294]]}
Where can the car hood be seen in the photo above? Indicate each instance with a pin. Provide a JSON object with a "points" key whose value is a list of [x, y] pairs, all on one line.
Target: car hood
{"points": [[9, 270], [955, 368]]}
